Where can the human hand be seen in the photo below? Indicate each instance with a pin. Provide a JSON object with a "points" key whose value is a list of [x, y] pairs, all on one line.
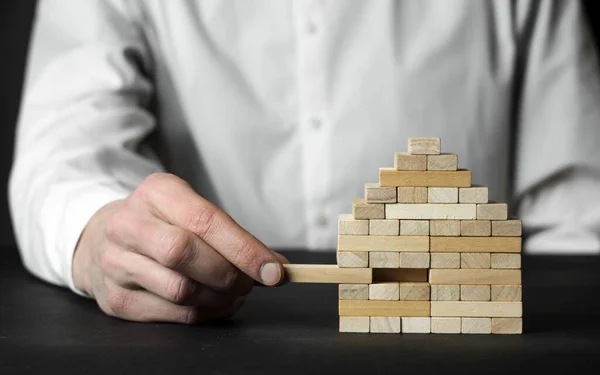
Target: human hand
{"points": [[166, 254]]}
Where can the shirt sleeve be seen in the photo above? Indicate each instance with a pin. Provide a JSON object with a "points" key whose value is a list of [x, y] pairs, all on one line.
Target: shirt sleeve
{"points": [[558, 116], [83, 122]]}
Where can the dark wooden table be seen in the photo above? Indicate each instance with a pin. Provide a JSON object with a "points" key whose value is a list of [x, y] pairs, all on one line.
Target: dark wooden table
{"points": [[293, 330]]}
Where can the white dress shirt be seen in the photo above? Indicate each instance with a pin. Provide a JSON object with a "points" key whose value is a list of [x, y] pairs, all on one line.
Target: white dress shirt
{"points": [[281, 111]]}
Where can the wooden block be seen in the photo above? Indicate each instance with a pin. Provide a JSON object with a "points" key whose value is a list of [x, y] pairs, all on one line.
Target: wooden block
{"points": [[416, 325], [414, 227], [439, 211], [474, 309], [474, 292], [384, 291], [349, 226], [507, 228], [475, 228], [442, 195], [385, 324], [354, 324], [414, 260], [414, 291], [424, 146], [384, 227], [476, 325], [384, 243], [475, 276], [393, 177], [507, 293], [353, 291], [442, 162], [412, 194], [400, 274], [327, 273], [384, 308], [404, 161], [506, 261], [506, 326], [476, 244], [475, 260], [445, 228], [473, 194], [492, 211], [445, 325], [353, 259], [384, 259], [445, 292], [445, 260], [363, 210], [377, 194]]}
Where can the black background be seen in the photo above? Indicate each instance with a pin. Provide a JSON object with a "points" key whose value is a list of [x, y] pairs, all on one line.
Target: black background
{"points": [[15, 24]]}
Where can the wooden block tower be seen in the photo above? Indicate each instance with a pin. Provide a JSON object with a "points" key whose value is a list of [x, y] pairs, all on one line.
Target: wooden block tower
{"points": [[425, 251]]}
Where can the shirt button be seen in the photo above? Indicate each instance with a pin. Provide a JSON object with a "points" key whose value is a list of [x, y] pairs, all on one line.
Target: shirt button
{"points": [[321, 220], [311, 27], [316, 123]]}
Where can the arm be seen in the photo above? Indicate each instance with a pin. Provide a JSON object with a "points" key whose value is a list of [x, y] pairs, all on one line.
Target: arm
{"points": [[557, 153]]}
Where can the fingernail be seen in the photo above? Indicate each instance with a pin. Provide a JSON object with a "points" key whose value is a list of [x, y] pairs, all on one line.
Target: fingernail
{"points": [[270, 274]]}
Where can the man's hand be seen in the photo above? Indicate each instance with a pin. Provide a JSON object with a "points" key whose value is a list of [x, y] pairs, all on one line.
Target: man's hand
{"points": [[166, 254]]}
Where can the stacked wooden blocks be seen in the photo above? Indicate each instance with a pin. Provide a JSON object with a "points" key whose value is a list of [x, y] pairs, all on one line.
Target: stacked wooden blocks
{"points": [[442, 257]]}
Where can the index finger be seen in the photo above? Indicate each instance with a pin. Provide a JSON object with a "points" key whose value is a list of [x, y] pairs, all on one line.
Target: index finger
{"points": [[175, 202]]}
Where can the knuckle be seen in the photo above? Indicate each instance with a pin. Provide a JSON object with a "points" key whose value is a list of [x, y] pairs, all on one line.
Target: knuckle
{"points": [[109, 261], [245, 256], [115, 226], [202, 219], [175, 249], [191, 316], [179, 289], [118, 301]]}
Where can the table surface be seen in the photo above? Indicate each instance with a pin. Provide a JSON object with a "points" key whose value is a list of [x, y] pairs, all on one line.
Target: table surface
{"points": [[294, 329]]}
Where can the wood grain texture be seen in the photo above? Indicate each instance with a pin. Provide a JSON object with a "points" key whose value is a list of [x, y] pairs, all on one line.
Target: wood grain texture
{"points": [[475, 276], [442, 162], [445, 292], [363, 210], [384, 259], [507, 228], [400, 274], [384, 227], [393, 177], [476, 244], [507, 326], [384, 291], [475, 309], [473, 194], [416, 324], [475, 293], [424, 146], [444, 228], [445, 325], [383, 243], [414, 227], [327, 273], [377, 194], [476, 325], [353, 291], [354, 324], [384, 308], [403, 161], [412, 194], [385, 324], [349, 226], [440, 211], [442, 195], [507, 293], [505, 261], [475, 228], [414, 260], [475, 260], [445, 260], [492, 211], [409, 291], [353, 259]]}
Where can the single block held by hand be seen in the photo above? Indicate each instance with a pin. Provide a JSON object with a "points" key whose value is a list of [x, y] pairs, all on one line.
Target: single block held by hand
{"points": [[424, 146], [327, 273]]}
